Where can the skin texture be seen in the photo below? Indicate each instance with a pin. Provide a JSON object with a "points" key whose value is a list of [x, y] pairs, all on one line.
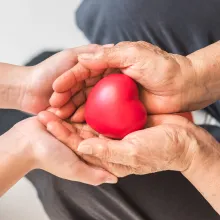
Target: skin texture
{"points": [[183, 82], [30, 146], [30, 88], [186, 148], [169, 83], [115, 99]]}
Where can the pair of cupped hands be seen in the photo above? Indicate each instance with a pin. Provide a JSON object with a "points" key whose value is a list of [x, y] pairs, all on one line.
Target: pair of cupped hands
{"points": [[64, 145]]}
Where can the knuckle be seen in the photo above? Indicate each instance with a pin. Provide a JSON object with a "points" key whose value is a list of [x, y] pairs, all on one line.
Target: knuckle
{"points": [[134, 49], [120, 170], [131, 47], [98, 180], [144, 44], [134, 151], [169, 66], [103, 151], [172, 135], [123, 44], [95, 46]]}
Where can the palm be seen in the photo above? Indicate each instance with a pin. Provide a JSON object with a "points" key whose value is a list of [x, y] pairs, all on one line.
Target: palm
{"points": [[54, 152], [82, 80], [39, 89], [72, 135], [166, 79]]}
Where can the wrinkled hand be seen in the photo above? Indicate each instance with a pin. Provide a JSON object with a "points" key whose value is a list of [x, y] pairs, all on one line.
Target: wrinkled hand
{"points": [[168, 82], [38, 82], [52, 156], [169, 143]]}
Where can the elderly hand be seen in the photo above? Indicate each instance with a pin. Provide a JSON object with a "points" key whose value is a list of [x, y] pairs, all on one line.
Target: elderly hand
{"points": [[170, 143], [170, 83]]}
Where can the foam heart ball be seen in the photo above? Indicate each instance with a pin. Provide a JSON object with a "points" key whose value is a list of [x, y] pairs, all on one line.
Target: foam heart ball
{"points": [[113, 107]]}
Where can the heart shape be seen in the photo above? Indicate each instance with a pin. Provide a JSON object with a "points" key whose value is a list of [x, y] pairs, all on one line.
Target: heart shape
{"points": [[113, 107]]}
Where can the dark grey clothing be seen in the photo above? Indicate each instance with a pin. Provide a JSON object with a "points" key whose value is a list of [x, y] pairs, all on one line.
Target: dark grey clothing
{"points": [[176, 26]]}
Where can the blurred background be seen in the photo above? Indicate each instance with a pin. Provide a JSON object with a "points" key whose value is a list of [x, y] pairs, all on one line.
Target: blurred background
{"points": [[28, 27]]}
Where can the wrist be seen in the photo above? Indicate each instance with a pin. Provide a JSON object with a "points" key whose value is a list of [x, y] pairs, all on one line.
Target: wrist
{"points": [[14, 81], [203, 171], [206, 66], [15, 158], [19, 148]]}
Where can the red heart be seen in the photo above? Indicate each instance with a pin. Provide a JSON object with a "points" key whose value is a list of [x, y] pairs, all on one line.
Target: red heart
{"points": [[113, 107]]}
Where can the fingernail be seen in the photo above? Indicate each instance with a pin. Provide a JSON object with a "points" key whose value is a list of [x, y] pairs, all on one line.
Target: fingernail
{"points": [[86, 56], [85, 149], [111, 180]]}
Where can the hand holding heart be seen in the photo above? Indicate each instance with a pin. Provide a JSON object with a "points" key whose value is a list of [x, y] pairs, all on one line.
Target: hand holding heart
{"points": [[160, 93], [170, 143], [168, 82], [113, 107]]}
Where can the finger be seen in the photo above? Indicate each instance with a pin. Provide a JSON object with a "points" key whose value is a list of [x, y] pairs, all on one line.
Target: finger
{"points": [[85, 131], [71, 55], [51, 109], [68, 57], [78, 87], [73, 76], [79, 115], [187, 115], [81, 97], [66, 111], [88, 83], [120, 56], [63, 134], [108, 150], [92, 81], [45, 117], [57, 100], [155, 120], [133, 58], [116, 169], [111, 71], [92, 175]]}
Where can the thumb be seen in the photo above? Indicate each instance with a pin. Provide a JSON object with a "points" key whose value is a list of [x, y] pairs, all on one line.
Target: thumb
{"points": [[113, 151], [112, 57], [133, 58]]}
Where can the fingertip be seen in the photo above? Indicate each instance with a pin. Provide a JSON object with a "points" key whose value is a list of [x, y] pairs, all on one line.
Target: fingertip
{"points": [[66, 111], [54, 85], [64, 82], [57, 100], [45, 117], [41, 117], [79, 115]]}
